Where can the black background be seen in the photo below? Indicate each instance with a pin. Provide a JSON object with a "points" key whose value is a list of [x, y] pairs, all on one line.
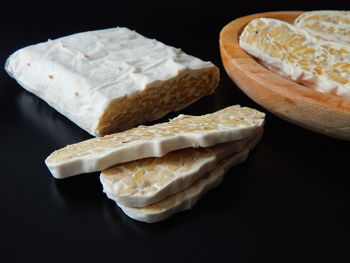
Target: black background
{"points": [[289, 202]]}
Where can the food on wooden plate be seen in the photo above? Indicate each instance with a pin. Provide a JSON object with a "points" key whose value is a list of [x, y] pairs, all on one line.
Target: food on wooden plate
{"points": [[187, 198], [319, 112], [110, 80], [150, 180], [326, 24], [229, 124], [282, 48]]}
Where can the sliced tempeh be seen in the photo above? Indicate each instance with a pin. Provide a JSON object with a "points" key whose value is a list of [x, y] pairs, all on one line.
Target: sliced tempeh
{"points": [[326, 24], [112, 79], [142, 182], [282, 48], [187, 198], [231, 123]]}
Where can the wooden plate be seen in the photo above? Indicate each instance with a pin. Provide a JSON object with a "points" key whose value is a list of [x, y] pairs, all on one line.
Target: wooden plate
{"points": [[319, 112]]}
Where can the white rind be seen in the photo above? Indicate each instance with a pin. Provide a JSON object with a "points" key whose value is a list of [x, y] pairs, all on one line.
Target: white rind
{"points": [[157, 147], [187, 198], [82, 74], [178, 182]]}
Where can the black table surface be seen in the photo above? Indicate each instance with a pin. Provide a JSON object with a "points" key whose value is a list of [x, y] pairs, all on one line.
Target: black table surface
{"points": [[288, 202]]}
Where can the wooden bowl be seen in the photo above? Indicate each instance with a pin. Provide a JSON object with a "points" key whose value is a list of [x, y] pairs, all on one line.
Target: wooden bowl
{"points": [[319, 112]]}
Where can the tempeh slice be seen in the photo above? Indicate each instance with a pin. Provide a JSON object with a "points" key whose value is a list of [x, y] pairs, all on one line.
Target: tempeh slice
{"points": [[142, 182], [282, 48], [187, 198], [326, 24], [231, 123]]}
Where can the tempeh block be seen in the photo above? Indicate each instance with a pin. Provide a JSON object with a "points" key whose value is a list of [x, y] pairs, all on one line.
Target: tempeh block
{"points": [[113, 79]]}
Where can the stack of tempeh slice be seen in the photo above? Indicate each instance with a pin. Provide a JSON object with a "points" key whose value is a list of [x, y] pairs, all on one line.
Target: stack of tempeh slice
{"points": [[314, 52], [155, 171]]}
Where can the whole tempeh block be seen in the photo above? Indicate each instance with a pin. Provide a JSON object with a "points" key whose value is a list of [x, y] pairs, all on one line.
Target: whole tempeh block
{"points": [[146, 181], [113, 79], [288, 51], [229, 124]]}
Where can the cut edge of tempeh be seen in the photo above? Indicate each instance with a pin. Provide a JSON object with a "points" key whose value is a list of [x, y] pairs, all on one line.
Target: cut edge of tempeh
{"points": [[187, 198], [158, 99], [231, 123], [171, 172]]}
